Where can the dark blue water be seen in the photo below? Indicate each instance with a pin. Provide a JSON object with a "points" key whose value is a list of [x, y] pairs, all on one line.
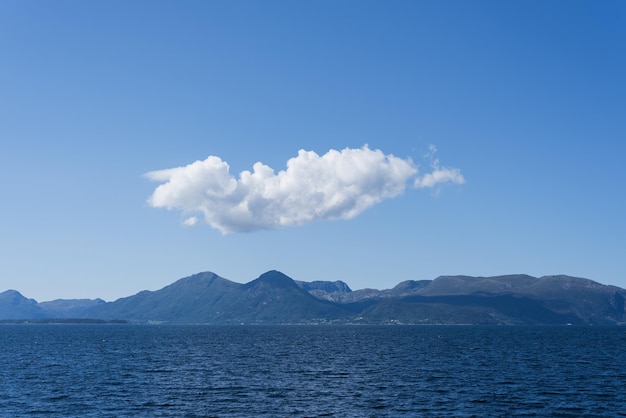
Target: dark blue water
{"points": [[200, 371]]}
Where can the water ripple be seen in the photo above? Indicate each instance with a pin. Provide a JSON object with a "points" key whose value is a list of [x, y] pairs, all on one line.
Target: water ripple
{"points": [[198, 371]]}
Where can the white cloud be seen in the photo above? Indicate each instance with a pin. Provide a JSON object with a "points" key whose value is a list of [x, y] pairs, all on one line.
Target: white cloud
{"points": [[336, 185], [191, 221], [439, 175]]}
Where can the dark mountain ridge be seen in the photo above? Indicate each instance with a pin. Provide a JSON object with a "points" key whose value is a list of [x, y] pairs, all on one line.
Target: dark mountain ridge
{"points": [[274, 298]]}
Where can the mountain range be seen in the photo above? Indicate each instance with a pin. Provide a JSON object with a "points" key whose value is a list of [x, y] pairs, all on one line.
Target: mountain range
{"points": [[274, 298]]}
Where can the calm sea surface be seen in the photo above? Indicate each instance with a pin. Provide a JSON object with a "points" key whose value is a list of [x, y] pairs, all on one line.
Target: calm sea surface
{"points": [[344, 371]]}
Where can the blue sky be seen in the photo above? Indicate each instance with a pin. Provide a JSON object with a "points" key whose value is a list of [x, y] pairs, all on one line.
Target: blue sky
{"points": [[523, 100]]}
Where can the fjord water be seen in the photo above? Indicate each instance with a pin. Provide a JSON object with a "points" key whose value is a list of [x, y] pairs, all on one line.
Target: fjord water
{"points": [[349, 371]]}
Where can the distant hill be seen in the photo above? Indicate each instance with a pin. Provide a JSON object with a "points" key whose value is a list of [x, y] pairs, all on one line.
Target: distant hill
{"points": [[15, 306], [208, 298], [274, 298], [68, 308]]}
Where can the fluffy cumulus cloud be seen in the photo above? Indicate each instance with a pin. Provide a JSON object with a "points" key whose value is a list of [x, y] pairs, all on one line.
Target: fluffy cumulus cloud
{"points": [[336, 185]]}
